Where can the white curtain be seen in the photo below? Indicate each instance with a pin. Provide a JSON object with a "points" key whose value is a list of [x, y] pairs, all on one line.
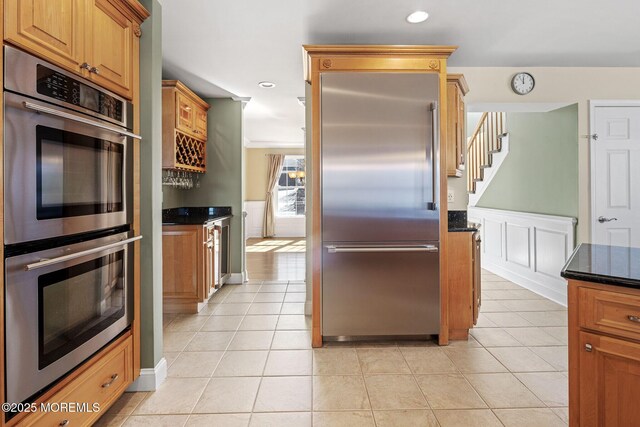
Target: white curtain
{"points": [[274, 169]]}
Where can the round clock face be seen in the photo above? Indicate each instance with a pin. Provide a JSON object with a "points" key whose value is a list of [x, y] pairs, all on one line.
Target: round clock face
{"points": [[522, 83]]}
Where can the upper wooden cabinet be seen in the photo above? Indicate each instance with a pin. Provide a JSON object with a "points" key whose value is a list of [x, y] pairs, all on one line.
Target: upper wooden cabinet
{"points": [[54, 29], [111, 42], [92, 38], [456, 127], [184, 128]]}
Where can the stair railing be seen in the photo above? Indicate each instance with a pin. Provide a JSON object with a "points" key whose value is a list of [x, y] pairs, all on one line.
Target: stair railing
{"points": [[485, 141]]}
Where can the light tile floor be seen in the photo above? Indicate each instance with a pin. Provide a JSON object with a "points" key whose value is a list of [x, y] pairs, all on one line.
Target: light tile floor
{"points": [[246, 360]]}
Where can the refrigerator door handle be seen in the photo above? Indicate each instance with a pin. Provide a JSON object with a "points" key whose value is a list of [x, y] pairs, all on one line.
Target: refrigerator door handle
{"points": [[332, 249], [433, 205]]}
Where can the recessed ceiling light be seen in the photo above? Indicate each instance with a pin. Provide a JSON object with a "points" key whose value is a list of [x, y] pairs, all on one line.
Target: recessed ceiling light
{"points": [[267, 85], [417, 17]]}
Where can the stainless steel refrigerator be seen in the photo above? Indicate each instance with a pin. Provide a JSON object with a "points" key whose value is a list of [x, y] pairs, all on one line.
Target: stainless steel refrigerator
{"points": [[380, 217]]}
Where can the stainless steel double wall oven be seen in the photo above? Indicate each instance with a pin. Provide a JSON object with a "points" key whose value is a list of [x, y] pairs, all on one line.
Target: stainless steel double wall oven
{"points": [[68, 176]]}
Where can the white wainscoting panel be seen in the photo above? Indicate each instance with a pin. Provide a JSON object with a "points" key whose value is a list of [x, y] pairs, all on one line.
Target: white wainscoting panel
{"points": [[285, 226], [255, 215], [527, 249]]}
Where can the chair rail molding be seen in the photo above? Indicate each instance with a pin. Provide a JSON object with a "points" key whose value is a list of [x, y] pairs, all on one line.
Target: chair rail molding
{"points": [[526, 248]]}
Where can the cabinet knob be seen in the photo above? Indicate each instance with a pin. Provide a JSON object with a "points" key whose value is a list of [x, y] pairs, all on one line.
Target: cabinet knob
{"points": [[588, 347], [94, 70], [64, 423], [85, 66], [634, 318]]}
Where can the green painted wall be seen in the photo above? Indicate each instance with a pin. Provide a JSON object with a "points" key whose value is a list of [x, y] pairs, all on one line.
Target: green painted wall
{"points": [[222, 184], [540, 174], [150, 186], [172, 197]]}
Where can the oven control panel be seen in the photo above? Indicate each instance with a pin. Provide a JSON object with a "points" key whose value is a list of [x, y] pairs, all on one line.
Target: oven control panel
{"points": [[59, 86]]}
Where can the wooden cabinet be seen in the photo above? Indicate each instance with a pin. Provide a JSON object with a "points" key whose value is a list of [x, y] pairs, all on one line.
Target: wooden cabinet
{"points": [[609, 381], [92, 38], [200, 123], [195, 264], [456, 124], [184, 128], [97, 40], [101, 384], [109, 53], [463, 257], [604, 355], [52, 29], [183, 268]]}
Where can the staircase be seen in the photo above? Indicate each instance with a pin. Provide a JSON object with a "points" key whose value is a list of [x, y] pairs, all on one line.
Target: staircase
{"points": [[486, 150]]}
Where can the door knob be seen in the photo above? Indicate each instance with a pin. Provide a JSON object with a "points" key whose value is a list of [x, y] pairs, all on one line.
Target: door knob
{"points": [[602, 219]]}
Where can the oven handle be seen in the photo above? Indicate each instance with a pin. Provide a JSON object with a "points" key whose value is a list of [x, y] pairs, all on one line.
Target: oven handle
{"points": [[57, 260], [42, 109]]}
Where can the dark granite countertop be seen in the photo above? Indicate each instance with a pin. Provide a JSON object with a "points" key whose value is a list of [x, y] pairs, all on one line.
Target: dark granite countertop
{"points": [[194, 215], [609, 265], [458, 222]]}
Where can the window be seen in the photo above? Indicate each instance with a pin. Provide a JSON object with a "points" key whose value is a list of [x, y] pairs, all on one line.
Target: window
{"points": [[291, 200]]}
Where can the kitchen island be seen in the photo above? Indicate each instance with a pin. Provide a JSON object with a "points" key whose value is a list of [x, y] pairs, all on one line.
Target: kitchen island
{"points": [[195, 252], [604, 335]]}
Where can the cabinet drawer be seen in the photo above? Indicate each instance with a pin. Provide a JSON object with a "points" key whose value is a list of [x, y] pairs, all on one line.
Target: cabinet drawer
{"points": [[101, 384], [611, 312]]}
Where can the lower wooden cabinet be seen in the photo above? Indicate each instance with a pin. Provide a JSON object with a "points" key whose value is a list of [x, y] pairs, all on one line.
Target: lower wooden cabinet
{"points": [[183, 268], [609, 381], [195, 263], [95, 389], [604, 355], [464, 282]]}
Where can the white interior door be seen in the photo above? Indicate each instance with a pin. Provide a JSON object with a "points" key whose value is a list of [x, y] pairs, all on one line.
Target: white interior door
{"points": [[615, 175]]}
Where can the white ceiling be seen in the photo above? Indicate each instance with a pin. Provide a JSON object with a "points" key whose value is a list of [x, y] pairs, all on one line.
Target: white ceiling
{"points": [[223, 48]]}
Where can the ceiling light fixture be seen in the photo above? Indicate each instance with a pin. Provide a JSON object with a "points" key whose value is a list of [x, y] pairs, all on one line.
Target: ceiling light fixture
{"points": [[267, 85], [417, 17]]}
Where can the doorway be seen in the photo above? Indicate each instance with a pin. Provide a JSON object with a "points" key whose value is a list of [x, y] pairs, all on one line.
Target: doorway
{"points": [[615, 177]]}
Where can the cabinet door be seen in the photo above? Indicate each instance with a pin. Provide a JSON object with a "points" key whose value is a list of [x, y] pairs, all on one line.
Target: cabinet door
{"points": [[461, 145], [185, 114], [110, 48], [200, 127], [182, 270], [609, 378], [453, 130], [53, 29], [477, 276]]}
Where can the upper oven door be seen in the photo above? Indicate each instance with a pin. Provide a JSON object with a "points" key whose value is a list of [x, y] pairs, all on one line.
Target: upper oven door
{"points": [[64, 173]]}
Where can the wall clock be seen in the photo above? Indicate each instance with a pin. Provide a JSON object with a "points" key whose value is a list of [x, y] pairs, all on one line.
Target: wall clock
{"points": [[522, 83]]}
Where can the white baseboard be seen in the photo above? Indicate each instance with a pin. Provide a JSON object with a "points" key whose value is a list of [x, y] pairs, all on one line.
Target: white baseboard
{"points": [[255, 214], [237, 278], [527, 249], [150, 378]]}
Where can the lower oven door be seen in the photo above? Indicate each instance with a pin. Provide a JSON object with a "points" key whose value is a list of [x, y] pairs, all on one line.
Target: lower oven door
{"points": [[63, 305]]}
